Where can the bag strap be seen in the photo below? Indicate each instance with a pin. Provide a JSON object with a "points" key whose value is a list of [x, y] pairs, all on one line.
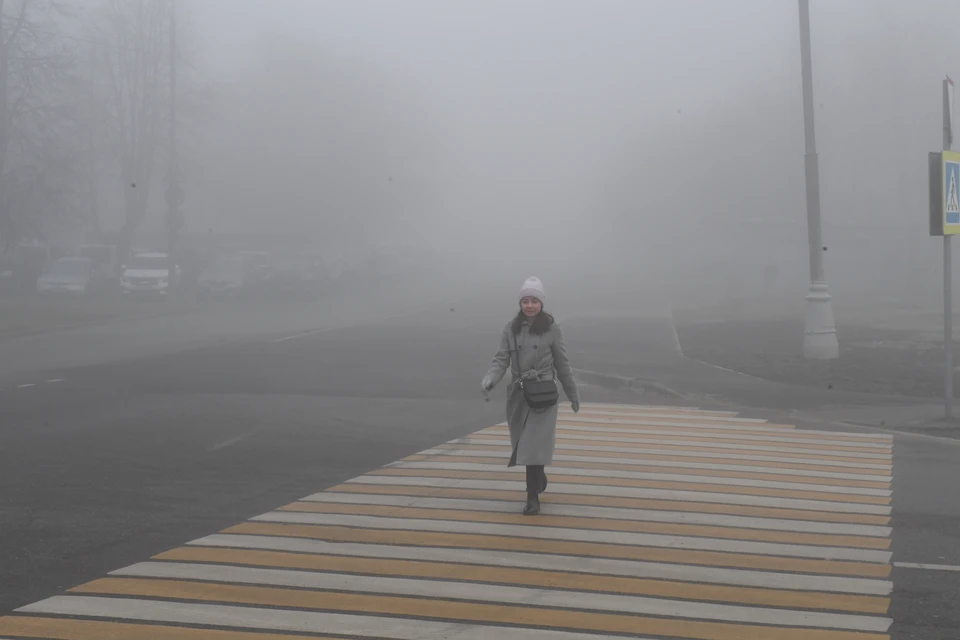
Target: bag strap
{"points": [[515, 360]]}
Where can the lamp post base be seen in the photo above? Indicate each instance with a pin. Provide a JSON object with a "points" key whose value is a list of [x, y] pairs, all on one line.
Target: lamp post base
{"points": [[820, 331]]}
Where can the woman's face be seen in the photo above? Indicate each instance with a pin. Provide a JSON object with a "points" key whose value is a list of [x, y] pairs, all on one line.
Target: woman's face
{"points": [[531, 307]]}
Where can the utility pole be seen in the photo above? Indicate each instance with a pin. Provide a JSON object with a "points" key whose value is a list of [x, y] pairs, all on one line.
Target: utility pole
{"points": [[174, 194], [948, 262], [93, 212], [820, 331]]}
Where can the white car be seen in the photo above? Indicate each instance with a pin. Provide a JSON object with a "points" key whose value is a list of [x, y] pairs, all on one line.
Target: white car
{"points": [[67, 275], [148, 273]]}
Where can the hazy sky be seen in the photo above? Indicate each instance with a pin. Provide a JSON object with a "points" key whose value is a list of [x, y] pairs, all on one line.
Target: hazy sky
{"points": [[572, 114]]}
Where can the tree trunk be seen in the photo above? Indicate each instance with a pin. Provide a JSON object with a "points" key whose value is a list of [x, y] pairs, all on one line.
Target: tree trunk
{"points": [[135, 196]]}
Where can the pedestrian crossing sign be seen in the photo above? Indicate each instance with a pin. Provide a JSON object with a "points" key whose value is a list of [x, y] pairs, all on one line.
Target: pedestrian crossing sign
{"points": [[951, 196], [945, 193]]}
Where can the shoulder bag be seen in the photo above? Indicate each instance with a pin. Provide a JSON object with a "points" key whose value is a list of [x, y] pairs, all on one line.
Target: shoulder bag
{"points": [[539, 394]]}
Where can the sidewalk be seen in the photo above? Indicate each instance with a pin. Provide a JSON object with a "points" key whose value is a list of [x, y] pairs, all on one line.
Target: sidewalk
{"points": [[658, 521], [645, 351]]}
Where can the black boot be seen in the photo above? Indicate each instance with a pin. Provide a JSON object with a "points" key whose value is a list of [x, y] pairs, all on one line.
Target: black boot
{"points": [[536, 478], [534, 483], [532, 507]]}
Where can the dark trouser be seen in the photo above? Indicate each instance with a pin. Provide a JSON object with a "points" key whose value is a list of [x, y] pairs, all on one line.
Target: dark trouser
{"points": [[535, 476]]}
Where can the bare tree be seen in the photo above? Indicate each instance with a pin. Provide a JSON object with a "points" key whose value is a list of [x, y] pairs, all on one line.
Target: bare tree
{"points": [[328, 146], [135, 64], [37, 152]]}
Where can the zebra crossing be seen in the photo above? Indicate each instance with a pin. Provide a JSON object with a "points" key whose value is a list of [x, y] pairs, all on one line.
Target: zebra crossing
{"points": [[658, 522]]}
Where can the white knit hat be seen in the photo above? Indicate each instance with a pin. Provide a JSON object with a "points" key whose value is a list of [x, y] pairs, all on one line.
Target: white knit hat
{"points": [[533, 288]]}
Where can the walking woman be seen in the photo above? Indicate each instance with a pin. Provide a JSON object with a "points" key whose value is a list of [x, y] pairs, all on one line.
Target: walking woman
{"points": [[532, 348]]}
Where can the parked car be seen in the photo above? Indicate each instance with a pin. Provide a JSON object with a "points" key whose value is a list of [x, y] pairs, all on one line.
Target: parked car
{"points": [[148, 273], [226, 277], [103, 256], [292, 283], [77, 276], [257, 265]]}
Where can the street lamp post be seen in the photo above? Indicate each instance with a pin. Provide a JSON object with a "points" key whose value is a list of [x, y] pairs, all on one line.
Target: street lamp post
{"points": [[174, 194], [820, 331]]}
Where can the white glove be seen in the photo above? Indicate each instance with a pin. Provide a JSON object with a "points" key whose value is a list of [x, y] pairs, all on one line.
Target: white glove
{"points": [[530, 376]]}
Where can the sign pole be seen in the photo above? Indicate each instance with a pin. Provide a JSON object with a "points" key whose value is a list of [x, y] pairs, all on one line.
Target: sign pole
{"points": [[948, 324], [948, 261]]}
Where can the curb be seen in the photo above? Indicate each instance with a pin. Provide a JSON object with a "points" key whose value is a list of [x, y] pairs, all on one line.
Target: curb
{"points": [[611, 381]]}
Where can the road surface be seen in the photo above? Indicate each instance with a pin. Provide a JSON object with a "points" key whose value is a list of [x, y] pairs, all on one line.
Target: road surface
{"points": [[349, 481]]}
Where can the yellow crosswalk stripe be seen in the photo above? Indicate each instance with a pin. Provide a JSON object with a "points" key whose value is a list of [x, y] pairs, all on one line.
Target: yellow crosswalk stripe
{"points": [[677, 447], [705, 429], [454, 610], [626, 482], [617, 502], [680, 457], [71, 629], [657, 522], [866, 484], [587, 549], [595, 523]]}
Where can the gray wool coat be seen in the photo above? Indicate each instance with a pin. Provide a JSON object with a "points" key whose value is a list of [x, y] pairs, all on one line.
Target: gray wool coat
{"points": [[532, 431]]}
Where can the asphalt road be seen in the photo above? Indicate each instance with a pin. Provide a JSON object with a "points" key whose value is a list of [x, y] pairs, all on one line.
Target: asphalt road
{"points": [[120, 460], [106, 460]]}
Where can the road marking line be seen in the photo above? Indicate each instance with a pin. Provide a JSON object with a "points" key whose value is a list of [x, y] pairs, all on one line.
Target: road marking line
{"points": [[516, 494], [523, 577], [631, 492], [590, 407], [549, 562], [644, 475], [592, 482], [312, 332], [447, 590], [591, 522], [24, 386], [673, 422], [75, 629], [714, 434], [612, 406], [930, 567], [341, 624], [230, 442], [667, 415], [56, 380], [877, 481], [808, 450], [578, 535], [592, 410], [568, 418], [718, 450], [641, 515], [548, 545], [680, 455], [471, 612], [658, 522]]}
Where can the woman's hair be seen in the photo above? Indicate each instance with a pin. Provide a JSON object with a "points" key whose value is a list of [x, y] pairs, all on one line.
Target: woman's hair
{"points": [[541, 323]]}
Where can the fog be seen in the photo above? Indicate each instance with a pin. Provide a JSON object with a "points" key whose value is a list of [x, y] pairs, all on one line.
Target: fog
{"points": [[659, 142], [661, 137]]}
